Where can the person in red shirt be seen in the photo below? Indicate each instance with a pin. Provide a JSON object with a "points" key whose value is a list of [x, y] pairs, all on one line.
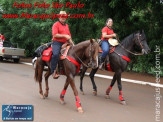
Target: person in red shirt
{"points": [[1, 43], [61, 34], [2, 37], [107, 33]]}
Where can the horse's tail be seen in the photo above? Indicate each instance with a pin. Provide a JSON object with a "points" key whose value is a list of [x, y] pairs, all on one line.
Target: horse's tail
{"points": [[36, 72]]}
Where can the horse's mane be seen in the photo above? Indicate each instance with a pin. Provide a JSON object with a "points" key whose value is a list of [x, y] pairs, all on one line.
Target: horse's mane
{"points": [[82, 43], [127, 40]]}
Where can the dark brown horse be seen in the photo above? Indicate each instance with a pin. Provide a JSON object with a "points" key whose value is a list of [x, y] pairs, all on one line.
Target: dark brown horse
{"points": [[117, 63], [83, 53]]}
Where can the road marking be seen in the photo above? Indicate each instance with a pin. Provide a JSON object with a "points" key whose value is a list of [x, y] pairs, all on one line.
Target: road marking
{"points": [[26, 63], [123, 79], [129, 80]]}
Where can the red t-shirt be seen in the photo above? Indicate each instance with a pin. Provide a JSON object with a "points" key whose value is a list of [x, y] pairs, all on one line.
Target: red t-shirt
{"points": [[108, 31], [2, 37], [59, 28]]}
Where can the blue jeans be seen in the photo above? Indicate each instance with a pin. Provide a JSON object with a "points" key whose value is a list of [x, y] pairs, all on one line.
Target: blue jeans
{"points": [[105, 48], [56, 48]]}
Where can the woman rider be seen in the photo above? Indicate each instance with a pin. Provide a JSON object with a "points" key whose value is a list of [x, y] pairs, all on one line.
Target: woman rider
{"points": [[107, 33]]}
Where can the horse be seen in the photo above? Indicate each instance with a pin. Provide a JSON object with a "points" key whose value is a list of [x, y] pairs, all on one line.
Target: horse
{"points": [[85, 53], [119, 60]]}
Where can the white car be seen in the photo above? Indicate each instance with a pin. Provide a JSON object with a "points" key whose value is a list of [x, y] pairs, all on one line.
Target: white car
{"points": [[9, 52], [34, 62]]}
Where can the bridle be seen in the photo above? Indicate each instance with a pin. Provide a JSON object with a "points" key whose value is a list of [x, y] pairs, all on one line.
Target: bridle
{"points": [[90, 55], [143, 50]]}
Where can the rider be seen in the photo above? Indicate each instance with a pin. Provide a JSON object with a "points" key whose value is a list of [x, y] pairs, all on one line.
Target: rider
{"points": [[107, 33], [61, 34]]}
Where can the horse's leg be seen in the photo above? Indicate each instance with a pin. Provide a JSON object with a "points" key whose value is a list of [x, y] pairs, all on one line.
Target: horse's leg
{"points": [[118, 76], [78, 104], [110, 87], [91, 75], [48, 73], [40, 71], [64, 92], [81, 79]]}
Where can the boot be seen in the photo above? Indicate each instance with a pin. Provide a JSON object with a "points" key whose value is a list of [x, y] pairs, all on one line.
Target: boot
{"points": [[101, 66], [55, 74]]}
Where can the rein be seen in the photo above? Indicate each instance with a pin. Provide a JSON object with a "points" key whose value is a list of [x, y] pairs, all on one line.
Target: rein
{"points": [[81, 61], [90, 55], [129, 50]]}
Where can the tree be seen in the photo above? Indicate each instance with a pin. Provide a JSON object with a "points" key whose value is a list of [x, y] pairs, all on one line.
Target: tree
{"points": [[128, 16]]}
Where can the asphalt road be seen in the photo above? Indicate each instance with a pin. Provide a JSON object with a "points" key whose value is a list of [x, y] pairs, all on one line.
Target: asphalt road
{"points": [[17, 87]]}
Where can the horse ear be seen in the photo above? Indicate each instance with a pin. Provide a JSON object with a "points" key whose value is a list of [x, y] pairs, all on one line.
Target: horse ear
{"points": [[142, 30], [91, 40]]}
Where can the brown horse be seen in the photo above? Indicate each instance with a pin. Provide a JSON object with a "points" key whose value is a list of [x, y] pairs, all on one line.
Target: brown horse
{"points": [[85, 53]]}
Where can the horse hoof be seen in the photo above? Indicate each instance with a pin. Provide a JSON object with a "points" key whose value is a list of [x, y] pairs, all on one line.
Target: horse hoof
{"points": [[82, 92], [107, 96], [45, 95], [80, 110], [42, 96], [62, 102], [123, 102], [95, 93]]}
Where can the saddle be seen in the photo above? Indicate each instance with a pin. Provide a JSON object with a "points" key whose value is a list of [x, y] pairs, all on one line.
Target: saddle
{"points": [[47, 53], [111, 49], [38, 52], [113, 43]]}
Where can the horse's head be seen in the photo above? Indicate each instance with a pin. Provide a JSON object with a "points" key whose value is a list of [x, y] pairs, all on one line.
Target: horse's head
{"points": [[140, 40], [92, 53]]}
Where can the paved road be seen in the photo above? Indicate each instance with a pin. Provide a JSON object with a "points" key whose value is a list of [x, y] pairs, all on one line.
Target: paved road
{"points": [[17, 86]]}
